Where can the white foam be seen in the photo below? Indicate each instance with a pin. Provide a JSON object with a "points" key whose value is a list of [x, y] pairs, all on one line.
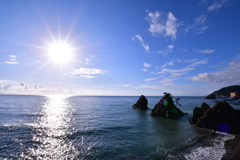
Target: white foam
{"points": [[213, 152]]}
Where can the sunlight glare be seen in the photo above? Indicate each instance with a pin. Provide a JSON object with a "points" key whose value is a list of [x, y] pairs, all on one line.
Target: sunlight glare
{"points": [[60, 52]]}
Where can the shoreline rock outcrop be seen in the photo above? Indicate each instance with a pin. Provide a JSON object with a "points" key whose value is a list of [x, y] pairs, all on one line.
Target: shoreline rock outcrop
{"points": [[221, 117], [141, 103], [198, 112], [166, 108]]}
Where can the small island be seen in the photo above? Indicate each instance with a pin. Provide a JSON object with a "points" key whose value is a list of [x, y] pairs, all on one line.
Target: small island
{"points": [[141, 103], [166, 108]]}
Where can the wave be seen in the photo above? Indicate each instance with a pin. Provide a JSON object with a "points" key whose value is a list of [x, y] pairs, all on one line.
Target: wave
{"points": [[211, 147]]}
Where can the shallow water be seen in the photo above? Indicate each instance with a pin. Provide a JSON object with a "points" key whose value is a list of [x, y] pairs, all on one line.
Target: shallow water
{"points": [[94, 127]]}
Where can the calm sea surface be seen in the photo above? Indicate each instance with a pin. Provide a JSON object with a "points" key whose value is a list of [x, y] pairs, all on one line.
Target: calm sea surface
{"points": [[98, 127]]}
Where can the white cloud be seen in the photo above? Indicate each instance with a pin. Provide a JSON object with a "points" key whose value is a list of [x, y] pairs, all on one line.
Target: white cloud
{"points": [[87, 72], [89, 76], [12, 59], [11, 62], [150, 79], [161, 25], [231, 74], [199, 25], [206, 51], [87, 60], [6, 87], [217, 5], [147, 65], [166, 51], [145, 46], [201, 19], [144, 70], [198, 63], [175, 72], [180, 72], [14, 87], [164, 86], [125, 85], [168, 64], [166, 80], [171, 26], [170, 46], [12, 56]]}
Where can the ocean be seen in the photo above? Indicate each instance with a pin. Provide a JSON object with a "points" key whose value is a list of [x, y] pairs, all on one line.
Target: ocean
{"points": [[101, 127]]}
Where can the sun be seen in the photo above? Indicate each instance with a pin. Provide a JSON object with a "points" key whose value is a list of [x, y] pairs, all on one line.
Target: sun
{"points": [[60, 52]]}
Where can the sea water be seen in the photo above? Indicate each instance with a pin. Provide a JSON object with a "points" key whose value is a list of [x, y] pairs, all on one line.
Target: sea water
{"points": [[101, 127]]}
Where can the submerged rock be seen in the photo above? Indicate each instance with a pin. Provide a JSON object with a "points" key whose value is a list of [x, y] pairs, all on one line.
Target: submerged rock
{"points": [[221, 117], [166, 108], [141, 103], [198, 112]]}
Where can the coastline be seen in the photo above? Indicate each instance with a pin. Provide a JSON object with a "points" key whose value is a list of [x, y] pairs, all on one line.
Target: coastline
{"points": [[232, 147]]}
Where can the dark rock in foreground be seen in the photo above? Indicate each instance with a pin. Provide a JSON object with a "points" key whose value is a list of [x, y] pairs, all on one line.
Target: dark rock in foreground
{"points": [[198, 112], [166, 108], [221, 117], [141, 103]]}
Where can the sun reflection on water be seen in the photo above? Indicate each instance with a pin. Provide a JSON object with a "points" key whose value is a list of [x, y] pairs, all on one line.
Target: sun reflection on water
{"points": [[52, 128]]}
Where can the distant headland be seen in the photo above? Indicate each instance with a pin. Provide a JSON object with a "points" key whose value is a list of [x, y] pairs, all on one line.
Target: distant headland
{"points": [[226, 92]]}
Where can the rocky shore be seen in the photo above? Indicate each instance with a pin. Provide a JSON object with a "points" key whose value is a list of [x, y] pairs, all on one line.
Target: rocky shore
{"points": [[232, 148], [221, 117]]}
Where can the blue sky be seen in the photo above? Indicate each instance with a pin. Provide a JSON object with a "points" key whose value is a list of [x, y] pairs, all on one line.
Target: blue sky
{"points": [[116, 47]]}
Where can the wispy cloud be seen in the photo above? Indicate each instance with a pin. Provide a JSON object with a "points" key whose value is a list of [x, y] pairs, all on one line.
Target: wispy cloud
{"points": [[126, 85], [198, 63], [166, 51], [88, 76], [231, 74], [12, 60], [166, 80], [12, 56], [175, 72], [150, 79], [88, 61], [145, 46], [169, 85], [199, 25], [206, 51], [183, 71], [147, 65], [168, 64], [216, 5], [87, 72], [162, 25]]}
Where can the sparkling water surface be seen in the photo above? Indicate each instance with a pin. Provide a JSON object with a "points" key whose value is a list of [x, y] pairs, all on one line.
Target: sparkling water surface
{"points": [[98, 127]]}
